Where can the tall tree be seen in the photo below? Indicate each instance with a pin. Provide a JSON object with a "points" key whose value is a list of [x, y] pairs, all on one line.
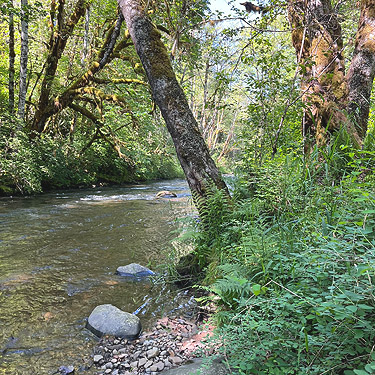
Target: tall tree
{"points": [[332, 98], [23, 58], [12, 56], [199, 168]]}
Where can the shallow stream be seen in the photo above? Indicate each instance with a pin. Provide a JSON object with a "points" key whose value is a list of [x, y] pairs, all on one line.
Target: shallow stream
{"points": [[58, 255]]}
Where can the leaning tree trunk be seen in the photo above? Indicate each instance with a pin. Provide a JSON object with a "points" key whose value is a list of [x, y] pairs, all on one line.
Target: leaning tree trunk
{"points": [[317, 39], [23, 59], [12, 57], [199, 168], [362, 68]]}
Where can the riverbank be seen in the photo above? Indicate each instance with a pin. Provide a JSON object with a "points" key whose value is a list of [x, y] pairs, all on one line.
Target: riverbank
{"points": [[171, 342]]}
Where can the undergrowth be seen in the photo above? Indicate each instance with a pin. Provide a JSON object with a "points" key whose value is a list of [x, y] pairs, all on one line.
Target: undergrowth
{"points": [[291, 268]]}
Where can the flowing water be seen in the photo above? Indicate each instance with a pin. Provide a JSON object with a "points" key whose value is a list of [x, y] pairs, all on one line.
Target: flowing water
{"points": [[58, 255]]}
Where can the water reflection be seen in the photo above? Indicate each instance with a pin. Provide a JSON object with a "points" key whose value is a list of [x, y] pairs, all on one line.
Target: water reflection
{"points": [[58, 255]]}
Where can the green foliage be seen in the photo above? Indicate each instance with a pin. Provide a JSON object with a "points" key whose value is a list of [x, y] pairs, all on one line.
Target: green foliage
{"points": [[294, 267], [49, 162]]}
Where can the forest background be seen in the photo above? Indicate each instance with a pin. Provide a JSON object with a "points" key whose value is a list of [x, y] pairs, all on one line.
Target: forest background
{"points": [[289, 260]]}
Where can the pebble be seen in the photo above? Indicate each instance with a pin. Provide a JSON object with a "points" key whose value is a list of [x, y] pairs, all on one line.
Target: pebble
{"points": [[176, 360], [142, 362], [167, 345], [98, 358], [152, 353]]}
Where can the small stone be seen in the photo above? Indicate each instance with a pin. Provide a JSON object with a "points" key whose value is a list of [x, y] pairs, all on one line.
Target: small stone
{"points": [[175, 360], [142, 362], [108, 371], [134, 364], [153, 368], [98, 358], [148, 364], [115, 372], [163, 353], [152, 353], [160, 366], [167, 363], [109, 365], [65, 370], [122, 350], [116, 342], [114, 360], [136, 354], [115, 352]]}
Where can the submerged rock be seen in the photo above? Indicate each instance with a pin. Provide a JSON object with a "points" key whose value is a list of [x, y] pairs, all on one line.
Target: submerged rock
{"points": [[166, 194], [109, 320], [134, 270], [66, 370]]}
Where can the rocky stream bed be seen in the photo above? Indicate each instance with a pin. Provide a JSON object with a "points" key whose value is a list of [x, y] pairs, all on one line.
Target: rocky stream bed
{"points": [[171, 343]]}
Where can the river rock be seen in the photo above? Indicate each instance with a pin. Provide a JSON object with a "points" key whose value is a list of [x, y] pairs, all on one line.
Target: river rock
{"points": [[66, 370], [98, 358], [134, 270], [109, 320], [166, 194]]}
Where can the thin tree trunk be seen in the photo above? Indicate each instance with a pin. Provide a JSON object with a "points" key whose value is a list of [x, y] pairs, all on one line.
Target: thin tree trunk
{"points": [[86, 37], [12, 56], [23, 59], [197, 164], [362, 68]]}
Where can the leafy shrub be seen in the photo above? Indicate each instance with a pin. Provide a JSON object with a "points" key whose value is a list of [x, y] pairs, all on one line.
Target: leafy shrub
{"points": [[294, 268]]}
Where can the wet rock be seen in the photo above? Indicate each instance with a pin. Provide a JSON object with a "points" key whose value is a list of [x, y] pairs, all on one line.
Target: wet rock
{"points": [[142, 362], [166, 194], [108, 319], [134, 270], [98, 358], [66, 370]]}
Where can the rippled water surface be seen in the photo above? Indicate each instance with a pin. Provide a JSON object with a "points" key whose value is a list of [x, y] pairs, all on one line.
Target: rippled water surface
{"points": [[58, 255]]}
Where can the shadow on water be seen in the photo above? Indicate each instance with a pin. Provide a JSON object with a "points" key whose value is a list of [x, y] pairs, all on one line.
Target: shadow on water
{"points": [[58, 255]]}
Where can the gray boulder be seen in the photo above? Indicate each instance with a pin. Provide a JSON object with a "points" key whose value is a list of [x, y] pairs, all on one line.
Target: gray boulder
{"points": [[134, 270], [109, 320]]}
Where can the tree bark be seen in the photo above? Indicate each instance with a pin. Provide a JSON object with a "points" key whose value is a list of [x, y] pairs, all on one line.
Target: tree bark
{"points": [[362, 68], [192, 152], [12, 56], [57, 43], [317, 38], [23, 59]]}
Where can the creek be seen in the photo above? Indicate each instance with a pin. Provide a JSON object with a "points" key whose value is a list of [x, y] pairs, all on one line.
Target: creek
{"points": [[58, 256]]}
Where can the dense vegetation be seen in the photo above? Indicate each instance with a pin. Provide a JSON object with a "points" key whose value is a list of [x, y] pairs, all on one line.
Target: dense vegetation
{"points": [[289, 262]]}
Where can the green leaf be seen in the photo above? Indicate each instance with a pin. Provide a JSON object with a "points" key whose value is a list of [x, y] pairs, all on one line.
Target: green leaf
{"points": [[256, 289], [360, 372], [352, 308], [365, 307]]}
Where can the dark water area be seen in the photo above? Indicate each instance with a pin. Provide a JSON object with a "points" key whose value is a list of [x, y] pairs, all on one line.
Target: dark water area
{"points": [[58, 255]]}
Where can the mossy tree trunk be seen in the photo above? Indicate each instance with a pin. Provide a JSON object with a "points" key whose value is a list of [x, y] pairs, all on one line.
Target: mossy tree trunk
{"points": [[199, 168], [362, 68], [326, 91], [58, 39]]}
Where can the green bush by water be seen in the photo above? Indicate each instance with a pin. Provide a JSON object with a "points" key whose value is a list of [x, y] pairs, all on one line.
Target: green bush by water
{"points": [[292, 267]]}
